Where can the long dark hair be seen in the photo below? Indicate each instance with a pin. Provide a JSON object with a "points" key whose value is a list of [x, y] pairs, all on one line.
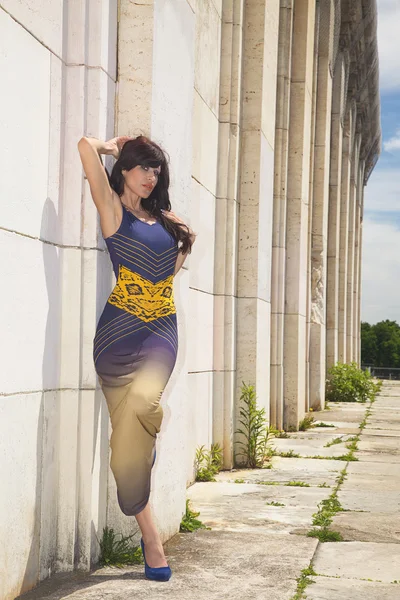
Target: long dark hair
{"points": [[142, 151]]}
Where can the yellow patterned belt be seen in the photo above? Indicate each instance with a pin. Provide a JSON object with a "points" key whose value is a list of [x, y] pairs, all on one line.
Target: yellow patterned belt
{"points": [[141, 297]]}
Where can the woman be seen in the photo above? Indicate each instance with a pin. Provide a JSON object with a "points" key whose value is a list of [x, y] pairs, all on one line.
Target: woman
{"points": [[136, 341]]}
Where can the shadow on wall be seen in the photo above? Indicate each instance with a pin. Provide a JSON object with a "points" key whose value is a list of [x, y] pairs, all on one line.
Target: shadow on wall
{"points": [[42, 552]]}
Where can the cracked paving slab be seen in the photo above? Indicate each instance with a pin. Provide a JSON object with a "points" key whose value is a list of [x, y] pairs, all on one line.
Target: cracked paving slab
{"points": [[326, 588], [257, 546], [361, 560]]}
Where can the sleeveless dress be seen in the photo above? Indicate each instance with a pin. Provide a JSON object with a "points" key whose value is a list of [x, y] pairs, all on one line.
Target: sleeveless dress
{"points": [[135, 349]]}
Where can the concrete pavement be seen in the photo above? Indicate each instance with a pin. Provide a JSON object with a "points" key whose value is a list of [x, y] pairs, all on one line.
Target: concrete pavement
{"points": [[259, 519]]}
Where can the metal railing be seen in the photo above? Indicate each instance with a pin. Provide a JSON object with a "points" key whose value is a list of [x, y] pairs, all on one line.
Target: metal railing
{"points": [[382, 372]]}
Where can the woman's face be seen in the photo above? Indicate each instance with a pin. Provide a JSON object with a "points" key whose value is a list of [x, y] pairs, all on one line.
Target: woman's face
{"points": [[141, 180]]}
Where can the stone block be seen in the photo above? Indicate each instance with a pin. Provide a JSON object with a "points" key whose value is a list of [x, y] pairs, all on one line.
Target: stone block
{"points": [[26, 130], [205, 144], [201, 325], [172, 81], [202, 217], [363, 560], [30, 314], [226, 246], [43, 19], [208, 53], [224, 336], [102, 38], [21, 431]]}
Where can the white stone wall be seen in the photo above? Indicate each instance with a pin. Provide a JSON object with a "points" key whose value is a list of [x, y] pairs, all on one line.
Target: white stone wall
{"points": [[57, 65], [265, 167]]}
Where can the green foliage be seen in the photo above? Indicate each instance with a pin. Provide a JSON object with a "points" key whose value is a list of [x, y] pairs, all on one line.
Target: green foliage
{"points": [[333, 442], [208, 462], [288, 454], [273, 503], [303, 581], [117, 550], [306, 423], [189, 521], [380, 344], [281, 434], [325, 535], [348, 383], [297, 484], [322, 424], [255, 434]]}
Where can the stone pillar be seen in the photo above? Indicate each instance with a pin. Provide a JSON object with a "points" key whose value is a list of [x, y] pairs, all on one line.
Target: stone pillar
{"points": [[351, 249], [279, 214], [357, 266], [344, 227], [226, 229], [335, 181], [256, 197], [310, 204], [320, 209], [360, 272], [166, 91], [297, 212]]}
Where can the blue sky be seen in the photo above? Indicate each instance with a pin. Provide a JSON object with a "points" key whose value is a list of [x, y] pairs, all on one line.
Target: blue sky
{"points": [[381, 228]]}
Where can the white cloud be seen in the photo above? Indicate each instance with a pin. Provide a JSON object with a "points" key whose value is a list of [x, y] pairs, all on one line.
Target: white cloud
{"points": [[383, 190], [389, 44], [393, 143], [380, 292]]}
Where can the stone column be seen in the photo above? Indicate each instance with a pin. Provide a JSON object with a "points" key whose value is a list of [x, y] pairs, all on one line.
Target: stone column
{"points": [[226, 229], [256, 197], [360, 273], [335, 181], [297, 212], [351, 249], [344, 227], [279, 214], [357, 267], [320, 209], [166, 91]]}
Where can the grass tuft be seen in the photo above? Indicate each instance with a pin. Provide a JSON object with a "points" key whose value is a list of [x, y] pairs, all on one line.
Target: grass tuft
{"points": [[117, 550], [189, 521], [297, 484], [306, 423], [333, 442], [303, 582], [325, 535]]}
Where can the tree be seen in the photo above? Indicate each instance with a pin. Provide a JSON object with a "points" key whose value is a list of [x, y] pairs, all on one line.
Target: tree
{"points": [[380, 344]]}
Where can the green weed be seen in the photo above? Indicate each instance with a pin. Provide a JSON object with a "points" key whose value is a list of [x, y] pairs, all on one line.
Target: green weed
{"points": [[333, 442], [208, 462], [117, 549], [297, 484], [325, 535], [256, 435], [303, 582], [306, 423], [189, 521]]}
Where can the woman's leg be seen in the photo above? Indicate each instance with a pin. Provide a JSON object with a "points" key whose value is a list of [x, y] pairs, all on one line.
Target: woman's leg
{"points": [[154, 551]]}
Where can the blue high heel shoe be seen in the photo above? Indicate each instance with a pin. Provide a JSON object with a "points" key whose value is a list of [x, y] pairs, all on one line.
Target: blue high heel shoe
{"points": [[155, 573]]}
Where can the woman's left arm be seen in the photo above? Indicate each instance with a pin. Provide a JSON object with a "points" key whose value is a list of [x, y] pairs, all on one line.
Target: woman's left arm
{"points": [[181, 257]]}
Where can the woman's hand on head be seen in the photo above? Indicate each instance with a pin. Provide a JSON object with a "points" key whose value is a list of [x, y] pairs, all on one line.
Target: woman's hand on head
{"points": [[115, 145]]}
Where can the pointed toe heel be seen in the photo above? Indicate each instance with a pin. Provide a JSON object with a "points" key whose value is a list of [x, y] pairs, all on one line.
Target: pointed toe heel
{"points": [[155, 573]]}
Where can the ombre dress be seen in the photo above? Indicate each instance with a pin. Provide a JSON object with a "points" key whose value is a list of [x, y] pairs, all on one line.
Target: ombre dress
{"points": [[135, 350]]}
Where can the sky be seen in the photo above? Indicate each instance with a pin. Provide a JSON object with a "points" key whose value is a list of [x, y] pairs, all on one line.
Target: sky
{"points": [[380, 294]]}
